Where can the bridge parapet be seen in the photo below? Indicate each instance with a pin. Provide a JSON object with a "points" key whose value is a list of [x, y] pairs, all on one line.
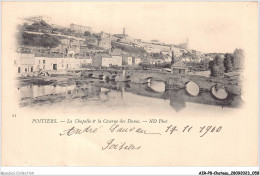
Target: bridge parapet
{"points": [[172, 81]]}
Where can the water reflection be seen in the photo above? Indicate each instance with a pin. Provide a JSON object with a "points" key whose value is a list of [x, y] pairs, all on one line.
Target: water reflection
{"points": [[99, 92]]}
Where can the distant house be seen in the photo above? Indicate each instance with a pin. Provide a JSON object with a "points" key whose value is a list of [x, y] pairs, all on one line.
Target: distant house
{"points": [[27, 63], [105, 43], [127, 60], [108, 61], [80, 28], [137, 60], [97, 60], [83, 62], [179, 68], [24, 63]]}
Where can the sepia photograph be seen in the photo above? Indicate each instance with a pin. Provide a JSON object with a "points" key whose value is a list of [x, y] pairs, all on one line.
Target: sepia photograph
{"points": [[129, 84], [58, 64]]}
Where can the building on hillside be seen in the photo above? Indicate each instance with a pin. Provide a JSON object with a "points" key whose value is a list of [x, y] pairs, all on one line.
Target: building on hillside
{"points": [[117, 60], [43, 63], [23, 63], [179, 68], [83, 62], [105, 43], [97, 60], [137, 60], [80, 28], [108, 61], [127, 60], [28, 63], [51, 63]]}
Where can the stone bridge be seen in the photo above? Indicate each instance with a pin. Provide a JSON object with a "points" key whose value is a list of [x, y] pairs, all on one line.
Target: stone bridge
{"points": [[172, 81]]}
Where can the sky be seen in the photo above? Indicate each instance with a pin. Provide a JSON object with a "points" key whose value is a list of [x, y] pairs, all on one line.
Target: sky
{"points": [[209, 26]]}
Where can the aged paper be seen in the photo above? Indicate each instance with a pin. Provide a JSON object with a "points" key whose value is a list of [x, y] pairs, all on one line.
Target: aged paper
{"points": [[60, 111]]}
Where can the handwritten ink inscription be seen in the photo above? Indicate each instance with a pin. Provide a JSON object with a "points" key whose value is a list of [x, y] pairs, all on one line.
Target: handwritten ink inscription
{"points": [[156, 127]]}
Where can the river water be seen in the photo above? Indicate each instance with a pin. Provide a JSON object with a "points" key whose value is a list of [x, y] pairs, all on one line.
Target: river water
{"points": [[117, 95]]}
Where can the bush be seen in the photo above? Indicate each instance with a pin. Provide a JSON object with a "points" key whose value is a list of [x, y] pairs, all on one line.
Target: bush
{"points": [[44, 40]]}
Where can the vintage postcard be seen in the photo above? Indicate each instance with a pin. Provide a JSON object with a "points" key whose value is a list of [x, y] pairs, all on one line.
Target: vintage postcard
{"points": [[129, 84]]}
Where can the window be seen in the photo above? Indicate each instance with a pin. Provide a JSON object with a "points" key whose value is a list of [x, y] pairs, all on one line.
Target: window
{"points": [[43, 67], [39, 61], [43, 61]]}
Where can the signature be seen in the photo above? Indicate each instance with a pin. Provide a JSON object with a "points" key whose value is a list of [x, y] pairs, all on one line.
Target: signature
{"points": [[111, 144], [74, 130]]}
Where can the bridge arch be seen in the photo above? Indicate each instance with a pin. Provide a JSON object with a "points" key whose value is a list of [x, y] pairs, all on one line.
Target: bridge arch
{"points": [[156, 84], [219, 92], [192, 88]]}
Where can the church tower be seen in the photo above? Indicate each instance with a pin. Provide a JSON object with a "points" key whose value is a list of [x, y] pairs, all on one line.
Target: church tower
{"points": [[123, 31], [187, 44]]}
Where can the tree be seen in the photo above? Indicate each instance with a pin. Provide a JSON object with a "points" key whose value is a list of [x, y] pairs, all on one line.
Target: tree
{"points": [[41, 25], [173, 58], [238, 59], [87, 33], [44, 40], [228, 62], [216, 66], [157, 55]]}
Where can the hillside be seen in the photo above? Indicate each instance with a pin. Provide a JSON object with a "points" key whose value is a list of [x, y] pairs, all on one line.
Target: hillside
{"points": [[131, 50]]}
